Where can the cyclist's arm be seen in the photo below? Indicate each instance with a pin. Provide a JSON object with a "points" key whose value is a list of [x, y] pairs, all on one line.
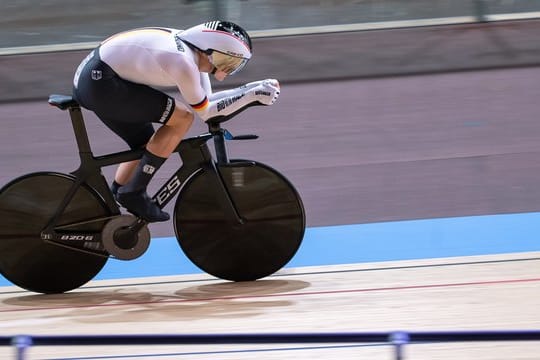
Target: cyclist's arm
{"points": [[211, 105], [223, 103], [232, 92], [230, 102], [206, 84], [227, 102]]}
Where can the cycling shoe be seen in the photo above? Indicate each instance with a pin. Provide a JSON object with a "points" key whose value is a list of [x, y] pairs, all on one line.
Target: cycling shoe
{"points": [[141, 205]]}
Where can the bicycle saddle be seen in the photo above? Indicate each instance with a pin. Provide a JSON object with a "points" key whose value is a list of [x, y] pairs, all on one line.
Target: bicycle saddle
{"points": [[62, 102]]}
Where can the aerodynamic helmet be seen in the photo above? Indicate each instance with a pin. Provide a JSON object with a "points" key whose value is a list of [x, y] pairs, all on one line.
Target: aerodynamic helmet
{"points": [[227, 44]]}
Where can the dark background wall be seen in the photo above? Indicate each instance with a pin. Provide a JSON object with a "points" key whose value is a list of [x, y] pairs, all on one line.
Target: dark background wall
{"points": [[321, 57]]}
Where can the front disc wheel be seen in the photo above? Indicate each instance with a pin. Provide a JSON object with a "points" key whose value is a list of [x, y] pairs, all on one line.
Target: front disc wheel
{"points": [[270, 235]]}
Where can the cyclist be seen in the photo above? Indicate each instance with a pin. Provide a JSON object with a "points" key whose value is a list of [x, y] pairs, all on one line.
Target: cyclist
{"points": [[120, 81]]}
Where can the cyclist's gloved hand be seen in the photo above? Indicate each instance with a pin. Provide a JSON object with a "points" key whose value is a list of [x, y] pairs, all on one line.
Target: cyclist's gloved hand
{"points": [[266, 91]]}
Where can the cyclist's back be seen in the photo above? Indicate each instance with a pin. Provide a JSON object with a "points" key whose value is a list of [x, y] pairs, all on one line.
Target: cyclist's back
{"points": [[155, 57]]}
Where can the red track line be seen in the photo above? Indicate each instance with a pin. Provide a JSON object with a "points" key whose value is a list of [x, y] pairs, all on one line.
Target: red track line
{"points": [[394, 288]]}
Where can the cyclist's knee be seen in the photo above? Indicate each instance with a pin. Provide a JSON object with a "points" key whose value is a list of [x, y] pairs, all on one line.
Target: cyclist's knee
{"points": [[181, 116]]}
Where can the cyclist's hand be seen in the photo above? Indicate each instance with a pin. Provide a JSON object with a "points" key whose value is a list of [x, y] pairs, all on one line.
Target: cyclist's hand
{"points": [[266, 92]]}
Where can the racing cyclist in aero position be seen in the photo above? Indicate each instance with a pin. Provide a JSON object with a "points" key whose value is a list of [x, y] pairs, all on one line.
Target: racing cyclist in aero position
{"points": [[118, 81]]}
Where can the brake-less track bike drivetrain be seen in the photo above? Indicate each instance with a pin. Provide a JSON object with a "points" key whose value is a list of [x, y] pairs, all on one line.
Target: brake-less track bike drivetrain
{"points": [[237, 220]]}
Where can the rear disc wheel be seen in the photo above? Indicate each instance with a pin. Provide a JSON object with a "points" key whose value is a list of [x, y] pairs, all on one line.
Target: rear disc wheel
{"points": [[26, 206]]}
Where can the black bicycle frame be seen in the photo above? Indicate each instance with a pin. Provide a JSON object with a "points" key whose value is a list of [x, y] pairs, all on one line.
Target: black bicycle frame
{"points": [[195, 155]]}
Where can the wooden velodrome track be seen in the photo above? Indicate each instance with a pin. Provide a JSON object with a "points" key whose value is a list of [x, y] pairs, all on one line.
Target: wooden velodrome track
{"points": [[360, 151]]}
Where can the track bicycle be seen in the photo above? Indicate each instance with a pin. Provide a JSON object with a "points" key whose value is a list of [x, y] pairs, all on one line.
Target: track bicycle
{"points": [[235, 219]]}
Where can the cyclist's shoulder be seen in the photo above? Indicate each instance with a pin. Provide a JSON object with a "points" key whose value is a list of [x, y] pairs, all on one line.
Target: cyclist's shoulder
{"points": [[157, 42], [146, 37], [154, 49], [145, 31]]}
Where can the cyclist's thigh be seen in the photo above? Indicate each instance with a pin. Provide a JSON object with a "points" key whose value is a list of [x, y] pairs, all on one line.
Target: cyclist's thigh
{"points": [[127, 108], [136, 135]]}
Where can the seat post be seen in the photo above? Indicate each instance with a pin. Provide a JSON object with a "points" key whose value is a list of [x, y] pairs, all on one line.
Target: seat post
{"points": [[79, 129]]}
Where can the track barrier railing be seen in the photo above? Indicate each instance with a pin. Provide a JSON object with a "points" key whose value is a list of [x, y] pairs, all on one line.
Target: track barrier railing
{"points": [[396, 339]]}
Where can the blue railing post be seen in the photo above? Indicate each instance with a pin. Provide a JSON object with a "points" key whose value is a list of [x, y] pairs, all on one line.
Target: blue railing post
{"points": [[398, 339], [480, 9], [21, 344]]}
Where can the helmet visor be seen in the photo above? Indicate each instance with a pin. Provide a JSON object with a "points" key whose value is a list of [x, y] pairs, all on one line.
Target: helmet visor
{"points": [[227, 63]]}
